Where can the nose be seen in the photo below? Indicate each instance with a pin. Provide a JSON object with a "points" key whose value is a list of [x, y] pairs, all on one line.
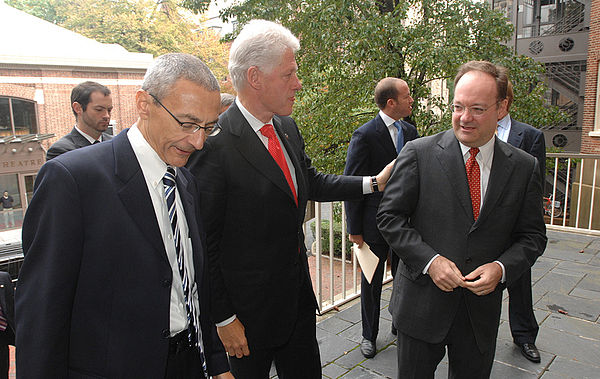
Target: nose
{"points": [[411, 100], [298, 84], [464, 117], [197, 139]]}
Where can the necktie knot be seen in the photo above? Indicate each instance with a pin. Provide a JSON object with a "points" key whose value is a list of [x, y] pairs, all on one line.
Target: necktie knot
{"points": [[268, 131], [169, 178], [474, 151]]}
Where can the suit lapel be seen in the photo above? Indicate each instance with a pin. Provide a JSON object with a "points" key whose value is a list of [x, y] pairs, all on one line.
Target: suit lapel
{"points": [[252, 148], [384, 137], [515, 135], [134, 192], [78, 139], [184, 188], [451, 159], [502, 167]]}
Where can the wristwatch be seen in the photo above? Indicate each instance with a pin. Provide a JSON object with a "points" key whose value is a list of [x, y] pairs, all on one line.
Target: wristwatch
{"points": [[374, 185]]}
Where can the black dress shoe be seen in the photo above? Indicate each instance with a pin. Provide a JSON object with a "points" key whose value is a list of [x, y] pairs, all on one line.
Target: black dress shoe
{"points": [[530, 352], [367, 348], [394, 330]]}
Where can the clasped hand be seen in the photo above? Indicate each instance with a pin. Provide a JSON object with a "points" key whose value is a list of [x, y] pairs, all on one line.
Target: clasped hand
{"points": [[481, 281]]}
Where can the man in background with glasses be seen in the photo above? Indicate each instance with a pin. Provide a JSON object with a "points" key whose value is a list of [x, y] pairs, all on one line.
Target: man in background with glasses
{"points": [[115, 278], [463, 212]]}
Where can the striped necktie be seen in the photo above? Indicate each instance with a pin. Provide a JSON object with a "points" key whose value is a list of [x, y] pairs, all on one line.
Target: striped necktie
{"points": [[194, 332], [3, 322]]}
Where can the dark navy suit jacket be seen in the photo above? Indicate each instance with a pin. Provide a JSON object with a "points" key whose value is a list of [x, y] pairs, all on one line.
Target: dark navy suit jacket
{"points": [[73, 140], [93, 296], [371, 149], [529, 139]]}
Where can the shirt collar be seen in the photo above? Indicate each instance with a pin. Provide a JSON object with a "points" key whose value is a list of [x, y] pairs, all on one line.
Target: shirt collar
{"points": [[255, 123], [387, 120], [486, 151], [153, 167], [504, 123], [87, 136]]}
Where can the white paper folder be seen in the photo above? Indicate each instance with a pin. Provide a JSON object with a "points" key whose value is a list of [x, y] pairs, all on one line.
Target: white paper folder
{"points": [[367, 260]]}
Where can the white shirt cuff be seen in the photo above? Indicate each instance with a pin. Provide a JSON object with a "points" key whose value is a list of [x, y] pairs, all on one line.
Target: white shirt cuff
{"points": [[503, 272], [226, 322], [429, 264], [367, 185]]}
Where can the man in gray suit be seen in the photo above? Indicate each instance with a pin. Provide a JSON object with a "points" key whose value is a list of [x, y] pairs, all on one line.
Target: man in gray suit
{"points": [[91, 104], [463, 212]]}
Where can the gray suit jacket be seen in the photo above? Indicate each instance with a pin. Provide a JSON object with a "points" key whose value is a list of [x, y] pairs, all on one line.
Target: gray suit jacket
{"points": [[426, 210], [73, 140]]}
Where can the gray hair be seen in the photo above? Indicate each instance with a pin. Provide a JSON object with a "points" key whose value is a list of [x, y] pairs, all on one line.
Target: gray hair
{"points": [[167, 69], [262, 44], [227, 99]]}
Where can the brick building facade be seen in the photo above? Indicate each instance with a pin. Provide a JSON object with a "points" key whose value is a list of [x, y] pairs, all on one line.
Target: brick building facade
{"points": [[590, 141], [40, 63]]}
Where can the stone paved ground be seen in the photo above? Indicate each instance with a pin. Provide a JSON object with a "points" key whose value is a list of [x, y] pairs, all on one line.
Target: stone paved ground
{"points": [[566, 291]]}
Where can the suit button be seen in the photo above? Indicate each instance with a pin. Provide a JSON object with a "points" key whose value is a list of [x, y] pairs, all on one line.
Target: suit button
{"points": [[166, 283], [166, 333], [469, 260]]}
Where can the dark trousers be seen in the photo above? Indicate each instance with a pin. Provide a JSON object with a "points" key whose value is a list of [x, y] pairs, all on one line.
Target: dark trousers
{"points": [[418, 359], [298, 358], [370, 294], [184, 360], [523, 325]]}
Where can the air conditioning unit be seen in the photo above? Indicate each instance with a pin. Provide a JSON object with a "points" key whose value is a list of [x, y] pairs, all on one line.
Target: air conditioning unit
{"points": [[567, 140]]}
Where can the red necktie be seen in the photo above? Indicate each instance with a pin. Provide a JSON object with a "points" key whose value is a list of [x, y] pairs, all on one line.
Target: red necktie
{"points": [[473, 177], [277, 154]]}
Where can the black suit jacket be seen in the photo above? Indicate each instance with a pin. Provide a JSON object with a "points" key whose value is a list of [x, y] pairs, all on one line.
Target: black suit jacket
{"points": [[7, 303], [73, 140], [426, 210], [93, 296], [259, 267], [529, 139], [371, 149]]}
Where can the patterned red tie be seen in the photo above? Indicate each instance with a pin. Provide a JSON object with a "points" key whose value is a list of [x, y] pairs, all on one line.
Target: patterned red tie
{"points": [[473, 176], [277, 154]]}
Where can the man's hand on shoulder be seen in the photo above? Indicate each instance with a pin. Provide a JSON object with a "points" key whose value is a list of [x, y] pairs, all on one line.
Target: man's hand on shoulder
{"points": [[357, 239], [384, 175], [233, 337], [484, 279], [445, 274]]}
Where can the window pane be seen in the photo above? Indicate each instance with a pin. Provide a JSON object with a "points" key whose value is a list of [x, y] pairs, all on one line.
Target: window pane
{"points": [[24, 114], [5, 128]]}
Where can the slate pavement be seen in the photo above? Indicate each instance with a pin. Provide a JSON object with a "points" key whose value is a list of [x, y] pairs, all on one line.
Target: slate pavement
{"points": [[566, 290]]}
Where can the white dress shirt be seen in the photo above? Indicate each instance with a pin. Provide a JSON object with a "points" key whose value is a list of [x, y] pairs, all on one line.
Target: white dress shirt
{"points": [[87, 136], [154, 170], [389, 123], [504, 128]]}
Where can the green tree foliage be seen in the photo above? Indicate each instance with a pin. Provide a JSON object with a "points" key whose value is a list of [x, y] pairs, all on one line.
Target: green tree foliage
{"points": [[349, 45], [137, 25]]}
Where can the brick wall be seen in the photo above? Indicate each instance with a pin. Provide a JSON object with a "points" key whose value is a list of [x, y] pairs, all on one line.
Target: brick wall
{"points": [[55, 115], [589, 144]]}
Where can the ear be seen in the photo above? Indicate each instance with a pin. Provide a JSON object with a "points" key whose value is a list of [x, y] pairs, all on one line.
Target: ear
{"points": [[390, 102], [254, 77], [142, 102], [502, 109], [77, 108]]}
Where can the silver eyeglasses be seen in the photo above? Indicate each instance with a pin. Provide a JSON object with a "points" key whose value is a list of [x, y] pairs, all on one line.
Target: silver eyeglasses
{"points": [[191, 127], [473, 111]]}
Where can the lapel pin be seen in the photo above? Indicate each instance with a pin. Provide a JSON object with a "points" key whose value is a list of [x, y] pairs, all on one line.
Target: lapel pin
{"points": [[286, 136]]}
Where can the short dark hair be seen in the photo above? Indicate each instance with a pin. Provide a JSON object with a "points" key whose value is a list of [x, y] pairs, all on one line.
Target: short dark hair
{"points": [[82, 92], [386, 89], [499, 73]]}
